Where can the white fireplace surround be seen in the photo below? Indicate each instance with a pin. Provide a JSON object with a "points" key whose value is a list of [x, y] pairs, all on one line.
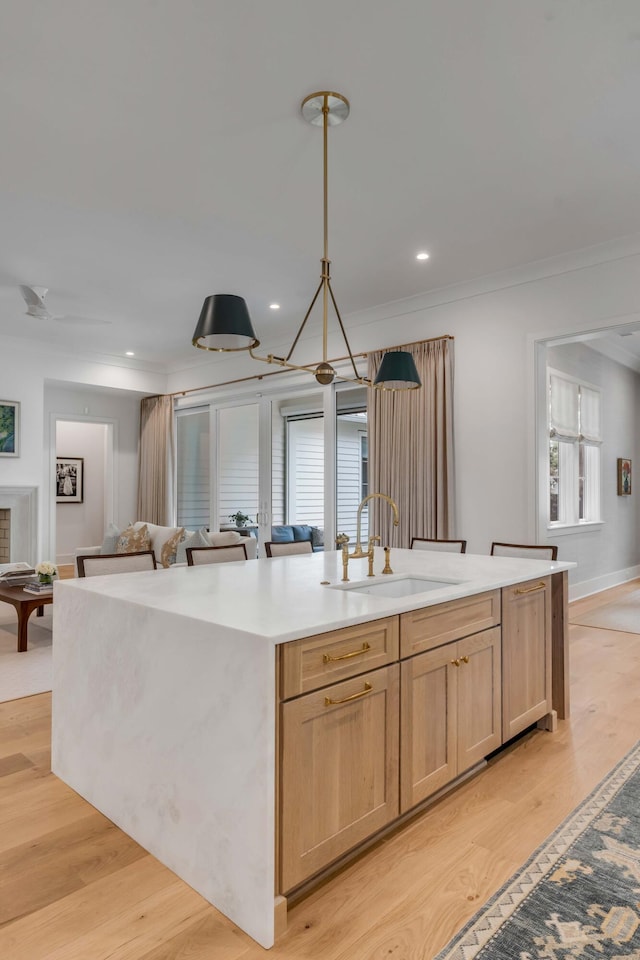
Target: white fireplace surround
{"points": [[23, 504]]}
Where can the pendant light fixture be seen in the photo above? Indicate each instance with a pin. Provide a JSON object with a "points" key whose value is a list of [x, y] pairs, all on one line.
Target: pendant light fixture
{"points": [[225, 324]]}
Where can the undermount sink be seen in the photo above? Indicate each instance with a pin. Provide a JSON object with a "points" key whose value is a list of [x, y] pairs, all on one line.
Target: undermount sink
{"points": [[399, 586]]}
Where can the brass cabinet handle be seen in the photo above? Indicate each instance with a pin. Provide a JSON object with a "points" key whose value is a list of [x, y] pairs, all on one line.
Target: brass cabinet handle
{"points": [[326, 658], [465, 659], [456, 663], [537, 586], [328, 702]]}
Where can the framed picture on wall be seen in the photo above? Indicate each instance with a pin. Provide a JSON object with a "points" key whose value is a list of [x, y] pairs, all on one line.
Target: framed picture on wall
{"points": [[9, 428], [624, 477], [69, 479]]}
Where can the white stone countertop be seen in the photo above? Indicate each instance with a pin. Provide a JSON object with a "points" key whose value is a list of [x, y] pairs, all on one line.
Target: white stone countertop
{"points": [[283, 598]]}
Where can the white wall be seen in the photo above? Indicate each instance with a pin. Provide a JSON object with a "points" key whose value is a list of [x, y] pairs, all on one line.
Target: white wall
{"points": [[82, 524]]}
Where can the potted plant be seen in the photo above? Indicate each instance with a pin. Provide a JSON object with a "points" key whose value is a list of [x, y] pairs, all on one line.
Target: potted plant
{"points": [[239, 518]]}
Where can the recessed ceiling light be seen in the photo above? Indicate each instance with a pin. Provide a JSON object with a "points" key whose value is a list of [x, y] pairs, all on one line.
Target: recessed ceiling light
{"points": [[130, 353], [422, 256], [274, 306]]}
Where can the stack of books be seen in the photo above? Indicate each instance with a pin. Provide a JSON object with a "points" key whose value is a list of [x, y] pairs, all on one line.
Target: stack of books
{"points": [[17, 574], [39, 589]]}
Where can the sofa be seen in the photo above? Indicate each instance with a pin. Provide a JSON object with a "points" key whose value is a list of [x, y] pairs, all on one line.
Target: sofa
{"points": [[168, 543], [295, 532]]}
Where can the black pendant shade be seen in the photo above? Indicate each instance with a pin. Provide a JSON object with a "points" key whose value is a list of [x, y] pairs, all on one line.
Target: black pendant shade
{"points": [[397, 371], [224, 324]]}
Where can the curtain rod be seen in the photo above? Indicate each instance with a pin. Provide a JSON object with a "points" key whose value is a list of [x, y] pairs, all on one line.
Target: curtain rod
{"points": [[273, 373]]}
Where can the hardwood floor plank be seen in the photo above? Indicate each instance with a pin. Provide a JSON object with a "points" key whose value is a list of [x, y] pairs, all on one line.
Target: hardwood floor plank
{"points": [[136, 927], [208, 937], [33, 875], [13, 763], [58, 925], [74, 887]]}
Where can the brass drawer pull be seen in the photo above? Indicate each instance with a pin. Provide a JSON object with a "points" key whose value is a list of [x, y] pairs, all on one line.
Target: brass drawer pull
{"points": [[537, 586], [465, 659], [456, 663], [328, 702], [326, 658]]}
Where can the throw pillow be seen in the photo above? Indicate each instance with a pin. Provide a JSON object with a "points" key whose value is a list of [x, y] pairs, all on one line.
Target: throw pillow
{"points": [[111, 536], [301, 531], [197, 539], [131, 541], [158, 535], [317, 537], [170, 547], [282, 534], [225, 539]]}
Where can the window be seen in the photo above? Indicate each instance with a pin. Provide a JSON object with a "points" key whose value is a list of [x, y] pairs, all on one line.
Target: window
{"points": [[364, 466], [575, 436], [192, 474]]}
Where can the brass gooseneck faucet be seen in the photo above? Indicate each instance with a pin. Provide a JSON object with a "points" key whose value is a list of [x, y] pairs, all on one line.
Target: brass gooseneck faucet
{"points": [[358, 551], [342, 540]]}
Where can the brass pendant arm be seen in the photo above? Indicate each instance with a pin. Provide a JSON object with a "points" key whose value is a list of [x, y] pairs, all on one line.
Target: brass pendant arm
{"points": [[306, 317], [344, 335]]}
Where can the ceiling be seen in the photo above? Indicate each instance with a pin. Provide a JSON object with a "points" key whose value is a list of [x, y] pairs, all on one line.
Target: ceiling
{"points": [[153, 152]]}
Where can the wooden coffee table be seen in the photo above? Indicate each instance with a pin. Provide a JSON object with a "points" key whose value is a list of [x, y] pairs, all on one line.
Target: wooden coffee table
{"points": [[25, 604]]}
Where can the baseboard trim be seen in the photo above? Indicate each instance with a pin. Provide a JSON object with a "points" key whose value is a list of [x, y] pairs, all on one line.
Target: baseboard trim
{"points": [[585, 589]]}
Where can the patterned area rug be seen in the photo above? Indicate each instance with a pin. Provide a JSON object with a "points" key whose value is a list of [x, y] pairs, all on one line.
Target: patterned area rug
{"points": [[24, 674], [579, 894]]}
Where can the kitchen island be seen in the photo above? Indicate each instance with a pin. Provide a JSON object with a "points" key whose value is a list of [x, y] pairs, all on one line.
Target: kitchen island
{"points": [[188, 704]]}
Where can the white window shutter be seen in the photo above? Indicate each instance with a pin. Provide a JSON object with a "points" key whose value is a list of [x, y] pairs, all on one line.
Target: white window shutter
{"points": [[563, 418], [590, 420]]}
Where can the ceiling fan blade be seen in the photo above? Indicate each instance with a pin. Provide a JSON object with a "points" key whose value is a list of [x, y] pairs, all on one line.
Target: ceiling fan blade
{"points": [[34, 299]]}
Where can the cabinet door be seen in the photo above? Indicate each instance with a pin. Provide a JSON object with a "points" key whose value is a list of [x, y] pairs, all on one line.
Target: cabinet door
{"points": [[526, 654], [479, 697], [428, 724], [339, 770]]}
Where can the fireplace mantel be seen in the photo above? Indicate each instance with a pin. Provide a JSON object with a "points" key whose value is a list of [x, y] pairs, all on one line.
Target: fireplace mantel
{"points": [[23, 504]]}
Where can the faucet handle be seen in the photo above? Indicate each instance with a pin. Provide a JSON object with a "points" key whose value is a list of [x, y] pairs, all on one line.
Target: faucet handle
{"points": [[341, 539]]}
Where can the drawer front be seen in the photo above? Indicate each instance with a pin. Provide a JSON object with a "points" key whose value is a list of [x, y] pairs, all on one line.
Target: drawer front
{"points": [[432, 626], [314, 662]]}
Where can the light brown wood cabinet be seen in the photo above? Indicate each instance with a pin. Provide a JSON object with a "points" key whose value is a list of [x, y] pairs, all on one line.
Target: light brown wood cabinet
{"points": [[451, 713], [339, 770], [526, 655], [377, 717]]}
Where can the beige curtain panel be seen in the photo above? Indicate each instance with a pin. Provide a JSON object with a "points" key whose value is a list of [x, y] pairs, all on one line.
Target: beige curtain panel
{"points": [[411, 449], [156, 461]]}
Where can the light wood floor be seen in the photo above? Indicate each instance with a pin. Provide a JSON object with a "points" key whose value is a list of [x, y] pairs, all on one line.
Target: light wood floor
{"points": [[74, 887]]}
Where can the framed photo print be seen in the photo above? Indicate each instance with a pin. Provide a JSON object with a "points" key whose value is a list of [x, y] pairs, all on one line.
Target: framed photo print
{"points": [[624, 477], [9, 428], [69, 479]]}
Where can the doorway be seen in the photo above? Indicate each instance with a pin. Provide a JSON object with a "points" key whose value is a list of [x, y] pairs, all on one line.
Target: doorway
{"points": [[82, 455]]}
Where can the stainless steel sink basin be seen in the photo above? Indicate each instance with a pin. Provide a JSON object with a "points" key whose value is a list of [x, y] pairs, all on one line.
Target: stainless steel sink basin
{"points": [[397, 586]]}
